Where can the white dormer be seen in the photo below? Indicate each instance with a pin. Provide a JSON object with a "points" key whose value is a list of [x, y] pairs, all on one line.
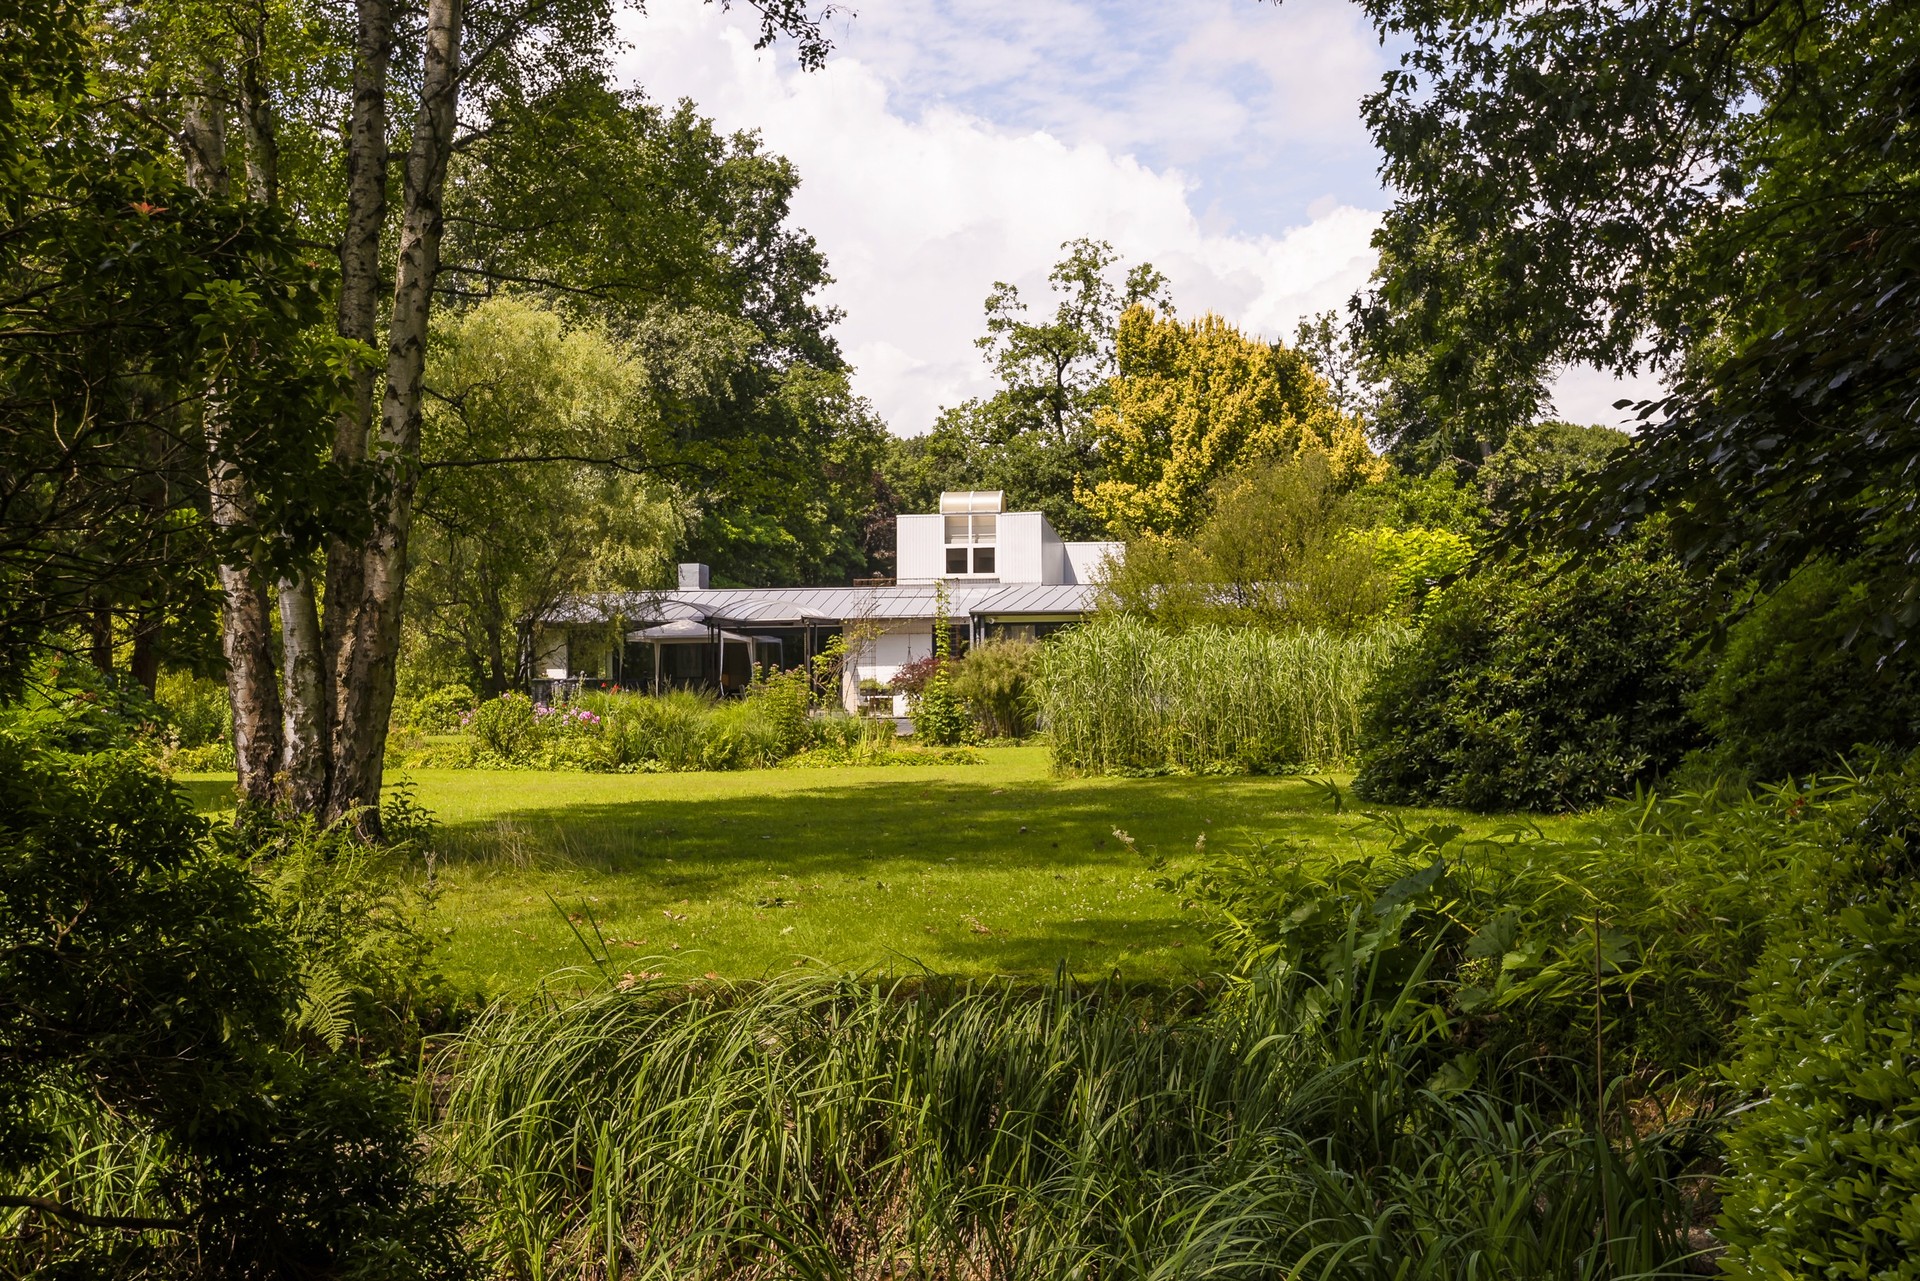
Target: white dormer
{"points": [[974, 539]]}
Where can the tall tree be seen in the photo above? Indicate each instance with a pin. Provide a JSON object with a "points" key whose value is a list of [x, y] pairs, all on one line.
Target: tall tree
{"points": [[503, 543], [1190, 401], [1728, 194], [341, 664], [139, 312], [1033, 438]]}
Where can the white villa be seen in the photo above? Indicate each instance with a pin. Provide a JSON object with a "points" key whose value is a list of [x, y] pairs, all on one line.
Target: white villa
{"points": [[1007, 574]]}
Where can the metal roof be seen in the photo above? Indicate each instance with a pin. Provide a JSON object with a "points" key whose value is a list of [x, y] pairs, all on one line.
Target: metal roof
{"points": [[795, 606], [1039, 598]]}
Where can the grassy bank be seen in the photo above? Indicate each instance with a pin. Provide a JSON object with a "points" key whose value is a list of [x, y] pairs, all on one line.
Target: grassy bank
{"points": [[995, 869]]}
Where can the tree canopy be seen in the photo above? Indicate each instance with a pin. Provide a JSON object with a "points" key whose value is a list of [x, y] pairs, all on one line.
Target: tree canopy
{"points": [[1726, 195], [1191, 400]]}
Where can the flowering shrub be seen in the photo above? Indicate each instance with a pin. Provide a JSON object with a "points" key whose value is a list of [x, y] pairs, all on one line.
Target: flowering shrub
{"points": [[506, 726], [564, 722]]}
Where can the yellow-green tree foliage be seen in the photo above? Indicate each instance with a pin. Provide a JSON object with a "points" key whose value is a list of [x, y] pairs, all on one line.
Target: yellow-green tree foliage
{"points": [[1194, 399]]}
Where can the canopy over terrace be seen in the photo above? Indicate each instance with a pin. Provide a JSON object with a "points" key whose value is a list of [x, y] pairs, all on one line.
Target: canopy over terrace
{"points": [[758, 651], [713, 637]]}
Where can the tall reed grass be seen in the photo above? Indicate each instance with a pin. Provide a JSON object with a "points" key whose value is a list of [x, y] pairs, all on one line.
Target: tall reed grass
{"points": [[833, 1128], [1121, 696]]}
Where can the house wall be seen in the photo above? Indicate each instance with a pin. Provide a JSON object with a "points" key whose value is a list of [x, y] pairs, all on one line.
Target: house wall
{"points": [[921, 553], [901, 643], [1084, 560], [550, 653], [1021, 557]]}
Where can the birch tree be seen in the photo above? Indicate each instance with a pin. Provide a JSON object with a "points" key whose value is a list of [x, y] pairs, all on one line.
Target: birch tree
{"points": [[316, 737]]}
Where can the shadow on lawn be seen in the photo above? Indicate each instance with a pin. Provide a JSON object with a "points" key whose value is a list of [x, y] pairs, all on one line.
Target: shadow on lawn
{"points": [[696, 843]]}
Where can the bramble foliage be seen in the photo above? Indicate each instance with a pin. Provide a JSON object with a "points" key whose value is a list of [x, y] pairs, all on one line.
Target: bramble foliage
{"points": [[1824, 1169], [150, 1006], [1784, 697], [1545, 686]]}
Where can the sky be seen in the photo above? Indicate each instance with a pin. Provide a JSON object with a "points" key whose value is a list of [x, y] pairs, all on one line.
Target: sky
{"points": [[947, 146]]}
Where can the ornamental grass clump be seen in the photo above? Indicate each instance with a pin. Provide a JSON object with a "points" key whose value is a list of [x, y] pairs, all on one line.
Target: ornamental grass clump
{"points": [[832, 1127], [1121, 696]]}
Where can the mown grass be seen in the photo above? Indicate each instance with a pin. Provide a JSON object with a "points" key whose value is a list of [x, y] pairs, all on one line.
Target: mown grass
{"points": [[998, 869]]}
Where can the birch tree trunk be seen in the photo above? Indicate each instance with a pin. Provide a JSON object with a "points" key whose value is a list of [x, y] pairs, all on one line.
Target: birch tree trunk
{"points": [[358, 320], [303, 756], [371, 639], [245, 638]]}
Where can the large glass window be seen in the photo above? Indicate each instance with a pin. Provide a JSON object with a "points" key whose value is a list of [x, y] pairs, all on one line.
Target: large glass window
{"points": [[983, 560], [956, 560]]}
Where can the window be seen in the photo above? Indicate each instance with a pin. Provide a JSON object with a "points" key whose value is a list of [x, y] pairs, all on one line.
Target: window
{"points": [[956, 560], [979, 528], [983, 560]]}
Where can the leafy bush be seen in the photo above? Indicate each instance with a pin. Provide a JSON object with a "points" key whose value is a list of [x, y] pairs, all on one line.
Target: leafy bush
{"points": [[912, 677], [1785, 698], [71, 707], [1545, 686], [1681, 895], [1119, 696], [149, 1012], [505, 726], [441, 711], [992, 681], [1414, 560], [197, 709], [1823, 1175]]}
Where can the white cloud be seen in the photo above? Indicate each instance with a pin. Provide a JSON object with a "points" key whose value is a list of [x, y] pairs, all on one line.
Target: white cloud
{"points": [[919, 214], [946, 147]]}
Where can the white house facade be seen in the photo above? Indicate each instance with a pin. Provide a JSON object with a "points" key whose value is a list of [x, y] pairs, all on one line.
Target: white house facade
{"points": [[1006, 574]]}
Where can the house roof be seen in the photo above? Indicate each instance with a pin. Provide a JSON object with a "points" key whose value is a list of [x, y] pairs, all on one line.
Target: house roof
{"points": [[795, 606]]}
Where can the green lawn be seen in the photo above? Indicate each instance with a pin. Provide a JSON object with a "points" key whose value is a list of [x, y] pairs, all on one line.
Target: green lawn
{"points": [[995, 869]]}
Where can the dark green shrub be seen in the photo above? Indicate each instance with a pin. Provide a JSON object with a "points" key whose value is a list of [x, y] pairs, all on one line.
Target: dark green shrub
{"points": [[1681, 894], [1545, 686], [443, 710], [149, 1020], [1823, 1172], [1790, 696]]}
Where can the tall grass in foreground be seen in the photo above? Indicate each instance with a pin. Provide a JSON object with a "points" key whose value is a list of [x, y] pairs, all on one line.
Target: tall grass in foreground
{"points": [[829, 1128], [1121, 696]]}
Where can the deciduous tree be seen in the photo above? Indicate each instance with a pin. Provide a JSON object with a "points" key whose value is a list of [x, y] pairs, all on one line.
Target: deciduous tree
{"points": [[1192, 400]]}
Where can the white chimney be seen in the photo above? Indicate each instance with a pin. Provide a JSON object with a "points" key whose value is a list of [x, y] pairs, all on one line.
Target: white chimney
{"points": [[693, 577]]}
